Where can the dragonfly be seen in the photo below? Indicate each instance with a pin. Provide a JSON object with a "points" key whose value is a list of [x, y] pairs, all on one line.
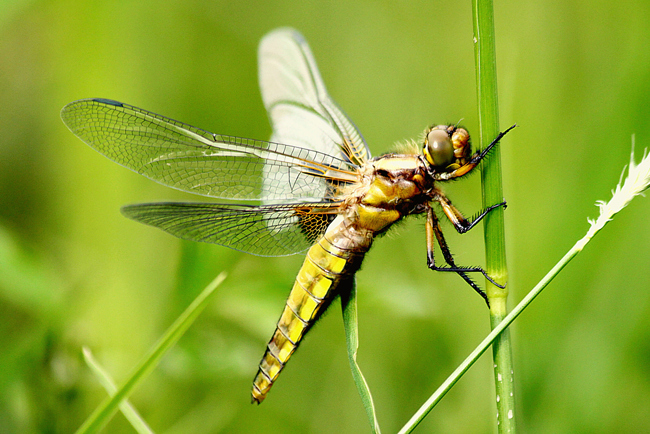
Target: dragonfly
{"points": [[314, 185]]}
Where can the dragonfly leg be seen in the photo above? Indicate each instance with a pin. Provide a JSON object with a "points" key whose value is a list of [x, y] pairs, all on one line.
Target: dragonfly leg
{"points": [[434, 233], [479, 156], [462, 224]]}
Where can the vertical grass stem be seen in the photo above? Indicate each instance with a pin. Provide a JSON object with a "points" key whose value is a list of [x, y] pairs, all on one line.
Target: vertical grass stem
{"points": [[491, 181]]}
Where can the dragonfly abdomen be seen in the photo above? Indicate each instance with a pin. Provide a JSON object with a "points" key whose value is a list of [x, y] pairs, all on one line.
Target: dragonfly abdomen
{"points": [[329, 265]]}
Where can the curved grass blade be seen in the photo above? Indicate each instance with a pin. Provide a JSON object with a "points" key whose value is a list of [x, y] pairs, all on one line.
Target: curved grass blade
{"points": [[108, 407], [350, 323], [131, 414]]}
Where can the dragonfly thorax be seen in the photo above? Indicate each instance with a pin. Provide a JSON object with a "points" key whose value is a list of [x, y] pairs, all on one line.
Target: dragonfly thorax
{"points": [[391, 187]]}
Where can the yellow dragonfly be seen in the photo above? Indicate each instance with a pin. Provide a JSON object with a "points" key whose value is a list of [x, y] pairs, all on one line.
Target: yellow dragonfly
{"points": [[314, 183]]}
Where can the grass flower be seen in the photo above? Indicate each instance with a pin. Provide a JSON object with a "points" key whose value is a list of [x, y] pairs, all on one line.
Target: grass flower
{"points": [[634, 184]]}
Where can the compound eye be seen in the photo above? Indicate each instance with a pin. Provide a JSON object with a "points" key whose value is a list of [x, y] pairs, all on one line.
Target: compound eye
{"points": [[438, 149]]}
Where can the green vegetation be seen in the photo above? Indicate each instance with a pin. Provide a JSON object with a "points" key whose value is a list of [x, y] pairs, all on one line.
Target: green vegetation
{"points": [[74, 272]]}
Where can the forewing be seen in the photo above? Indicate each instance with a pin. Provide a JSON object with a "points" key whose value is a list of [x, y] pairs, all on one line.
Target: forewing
{"points": [[261, 230], [197, 161], [301, 111]]}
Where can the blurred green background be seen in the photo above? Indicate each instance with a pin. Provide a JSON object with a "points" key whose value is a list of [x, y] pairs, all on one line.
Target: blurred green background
{"points": [[575, 75]]}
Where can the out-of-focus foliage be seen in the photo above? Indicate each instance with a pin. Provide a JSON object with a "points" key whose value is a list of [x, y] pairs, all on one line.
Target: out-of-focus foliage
{"points": [[575, 75]]}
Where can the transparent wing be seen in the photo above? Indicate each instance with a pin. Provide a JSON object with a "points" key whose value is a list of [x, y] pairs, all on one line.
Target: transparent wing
{"points": [[197, 161], [301, 111], [261, 230]]}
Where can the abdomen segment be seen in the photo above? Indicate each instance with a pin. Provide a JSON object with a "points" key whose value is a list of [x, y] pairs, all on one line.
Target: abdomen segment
{"points": [[324, 270]]}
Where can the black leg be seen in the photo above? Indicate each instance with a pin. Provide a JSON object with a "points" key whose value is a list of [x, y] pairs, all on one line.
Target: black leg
{"points": [[478, 157], [435, 233]]}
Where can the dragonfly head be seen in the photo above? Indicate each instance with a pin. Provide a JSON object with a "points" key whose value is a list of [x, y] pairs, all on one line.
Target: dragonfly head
{"points": [[446, 147]]}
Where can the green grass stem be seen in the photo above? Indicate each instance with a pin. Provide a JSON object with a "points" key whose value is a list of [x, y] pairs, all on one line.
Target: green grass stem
{"points": [[491, 181]]}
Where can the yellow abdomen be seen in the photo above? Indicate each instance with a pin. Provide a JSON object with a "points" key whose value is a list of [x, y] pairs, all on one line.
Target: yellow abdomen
{"points": [[324, 269]]}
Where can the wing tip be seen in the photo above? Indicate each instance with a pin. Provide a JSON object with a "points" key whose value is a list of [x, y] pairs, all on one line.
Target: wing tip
{"points": [[285, 30], [281, 33]]}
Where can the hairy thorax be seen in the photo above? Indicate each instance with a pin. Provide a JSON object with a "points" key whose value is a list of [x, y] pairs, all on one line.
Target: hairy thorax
{"points": [[389, 188]]}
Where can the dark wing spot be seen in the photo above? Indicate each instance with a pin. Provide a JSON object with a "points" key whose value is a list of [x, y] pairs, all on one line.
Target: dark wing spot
{"points": [[108, 101]]}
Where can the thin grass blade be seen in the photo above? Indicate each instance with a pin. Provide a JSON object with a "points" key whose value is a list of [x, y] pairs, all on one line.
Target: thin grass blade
{"points": [[108, 407], [108, 384], [350, 323]]}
